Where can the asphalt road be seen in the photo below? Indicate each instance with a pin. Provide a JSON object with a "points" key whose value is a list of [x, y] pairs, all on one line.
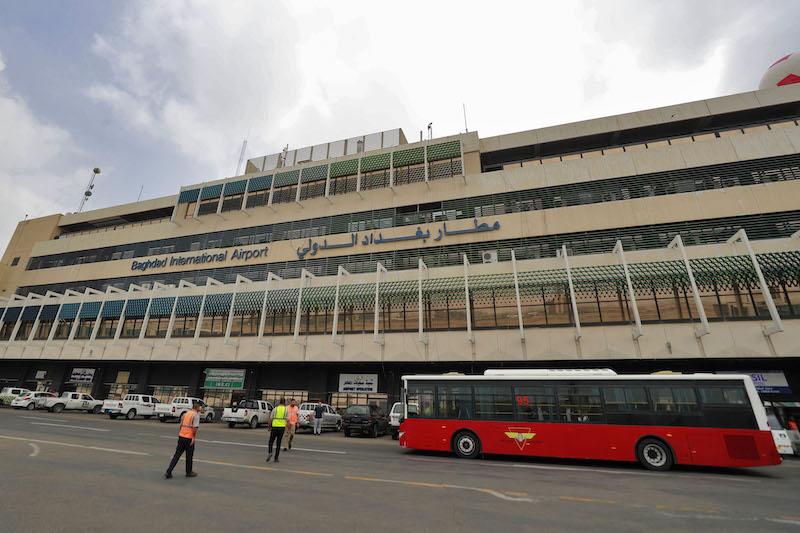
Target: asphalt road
{"points": [[79, 472]]}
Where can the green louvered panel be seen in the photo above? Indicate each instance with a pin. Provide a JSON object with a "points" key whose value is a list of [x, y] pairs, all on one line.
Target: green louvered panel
{"points": [[344, 168], [357, 295], [136, 308], [446, 150], [188, 305], [414, 156], [162, 306], [212, 191], [248, 301], [67, 311], [261, 183], [375, 162], [112, 309], [315, 173], [188, 196], [235, 187], [217, 304], [320, 297], [49, 312], [282, 179], [282, 299], [30, 313], [399, 292], [89, 310]]}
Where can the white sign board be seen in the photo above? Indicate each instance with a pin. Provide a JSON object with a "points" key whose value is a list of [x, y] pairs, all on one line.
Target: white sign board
{"points": [[82, 375], [773, 382], [358, 382]]}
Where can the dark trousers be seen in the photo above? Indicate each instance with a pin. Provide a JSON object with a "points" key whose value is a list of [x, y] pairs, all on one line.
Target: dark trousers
{"points": [[275, 437], [184, 445]]}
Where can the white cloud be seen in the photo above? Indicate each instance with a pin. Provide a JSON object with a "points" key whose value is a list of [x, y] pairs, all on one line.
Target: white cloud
{"points": [[38, 171]]}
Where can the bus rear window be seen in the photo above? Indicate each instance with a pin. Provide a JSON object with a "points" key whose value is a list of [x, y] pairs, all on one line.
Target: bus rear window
{"points": [[723, 395]]}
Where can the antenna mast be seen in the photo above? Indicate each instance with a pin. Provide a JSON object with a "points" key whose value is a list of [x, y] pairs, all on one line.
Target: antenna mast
{"points": [[88, 192], [241, 158]]}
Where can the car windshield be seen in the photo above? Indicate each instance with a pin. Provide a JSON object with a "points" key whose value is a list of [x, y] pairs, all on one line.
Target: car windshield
{"points": [[358, 410]]}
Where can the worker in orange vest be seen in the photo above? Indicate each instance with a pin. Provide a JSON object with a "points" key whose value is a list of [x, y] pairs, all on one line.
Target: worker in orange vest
{"points": [[190, 422]]}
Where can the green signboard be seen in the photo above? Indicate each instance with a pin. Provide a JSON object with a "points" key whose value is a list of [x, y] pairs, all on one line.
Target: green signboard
{"points": [[224, 378]]}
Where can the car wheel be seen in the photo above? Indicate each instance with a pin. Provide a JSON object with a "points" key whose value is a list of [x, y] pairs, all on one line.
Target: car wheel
{"points": [[31, 406], [210, 417], [254, 422], [395, 434], [374, 432], [339, 425], [96, 409], [346, 432], [59, 407], [130, 415], [654, 454], [162, 419], [466, 445], [231, 424]]}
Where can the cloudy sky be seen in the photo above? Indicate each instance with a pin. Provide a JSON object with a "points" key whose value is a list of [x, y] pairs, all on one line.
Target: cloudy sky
{"points": [[161, 94]]}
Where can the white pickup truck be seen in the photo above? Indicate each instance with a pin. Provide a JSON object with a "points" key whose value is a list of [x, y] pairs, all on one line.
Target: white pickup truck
{"points": [[179, 405], [131, 406], [250, 412], [73, 401]]}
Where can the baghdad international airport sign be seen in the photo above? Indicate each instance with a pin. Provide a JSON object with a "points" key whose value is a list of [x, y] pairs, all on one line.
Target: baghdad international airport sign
{"points": [[82, 375], [358, 382], [224, 378], [239, 254]]}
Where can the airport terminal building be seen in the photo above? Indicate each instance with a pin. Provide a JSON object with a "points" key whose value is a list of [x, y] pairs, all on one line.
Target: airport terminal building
{"points": [[665, 239]]}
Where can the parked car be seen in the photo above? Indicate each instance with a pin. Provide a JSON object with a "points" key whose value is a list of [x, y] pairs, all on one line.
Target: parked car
{"points": [[175, 409], [330, 419], [29, 400], [365, 420], [8, 394], [250, 412], [131, 406], [396, 416], [73, 401]]}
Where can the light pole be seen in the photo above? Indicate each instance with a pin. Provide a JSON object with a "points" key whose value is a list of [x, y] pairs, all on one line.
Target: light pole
{"points": [[88, 192]]}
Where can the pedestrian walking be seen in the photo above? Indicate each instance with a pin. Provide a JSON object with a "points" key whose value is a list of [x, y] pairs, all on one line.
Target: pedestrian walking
{"points": [[278, 425], [291, 428], [190, 423], [319, 413]]}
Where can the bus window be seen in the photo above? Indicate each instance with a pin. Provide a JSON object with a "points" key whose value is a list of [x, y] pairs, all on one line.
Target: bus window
{"points": [[580, 405], [535, 404], [723, 395], [493, 402], [455, 401], [625, 399], [420, 400], [674, 399]]}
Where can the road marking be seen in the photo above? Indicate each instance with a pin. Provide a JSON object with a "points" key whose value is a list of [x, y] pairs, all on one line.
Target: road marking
{"points": [[265, 468], [71, 445], [35, 451], [491, 492], [42, 418], [585, 500], [260, 445], [67, 426]]}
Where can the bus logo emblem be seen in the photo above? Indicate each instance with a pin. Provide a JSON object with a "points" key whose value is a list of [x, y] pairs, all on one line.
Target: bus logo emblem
{"points": [[520, 436]]}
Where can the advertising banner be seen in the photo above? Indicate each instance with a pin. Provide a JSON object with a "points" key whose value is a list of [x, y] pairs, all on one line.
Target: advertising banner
{"points": [[82, 375], [770, 382], [358, 382]]}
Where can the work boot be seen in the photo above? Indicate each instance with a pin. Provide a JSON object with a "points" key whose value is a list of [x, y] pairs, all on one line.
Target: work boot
{"points": [[167, 475], [290, 445], [191, 474], [276, 460], [269, 457], [285, 448]]}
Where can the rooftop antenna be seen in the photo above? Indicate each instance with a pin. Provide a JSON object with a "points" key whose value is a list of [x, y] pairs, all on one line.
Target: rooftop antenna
{"points": [[430, 130], [88, 192], [464, 108], [241, 158], [140, 193], [284, 153]]}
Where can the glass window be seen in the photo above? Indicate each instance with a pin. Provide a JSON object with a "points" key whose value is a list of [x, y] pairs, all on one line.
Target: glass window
{"points": [[421, 395], [580, 404], [494, 402], [536, 404], [455, 401], [723, 395], [674, 399], [625, 399]]}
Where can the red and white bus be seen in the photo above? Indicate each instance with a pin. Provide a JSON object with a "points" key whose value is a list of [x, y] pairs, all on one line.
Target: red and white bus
{"points": [[657, 419]]}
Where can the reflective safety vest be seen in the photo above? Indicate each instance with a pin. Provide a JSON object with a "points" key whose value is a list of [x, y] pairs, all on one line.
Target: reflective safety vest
{"points": [[279, 416], [188, 431]]}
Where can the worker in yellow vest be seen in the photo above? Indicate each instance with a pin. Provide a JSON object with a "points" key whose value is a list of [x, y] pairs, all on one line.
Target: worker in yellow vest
{"points": [[190, 423], [278, 425]]}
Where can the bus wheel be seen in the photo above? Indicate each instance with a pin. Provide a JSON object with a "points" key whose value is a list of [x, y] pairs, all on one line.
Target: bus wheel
{"points": [[467, 445], [654, 454]]}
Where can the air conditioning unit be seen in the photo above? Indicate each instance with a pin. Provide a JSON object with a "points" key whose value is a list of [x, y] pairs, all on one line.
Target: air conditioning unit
{"points": [[489, 256]]}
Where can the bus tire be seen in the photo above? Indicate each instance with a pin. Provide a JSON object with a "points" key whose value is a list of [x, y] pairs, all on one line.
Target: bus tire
{"points": [[466, 445], [654, 454]]}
